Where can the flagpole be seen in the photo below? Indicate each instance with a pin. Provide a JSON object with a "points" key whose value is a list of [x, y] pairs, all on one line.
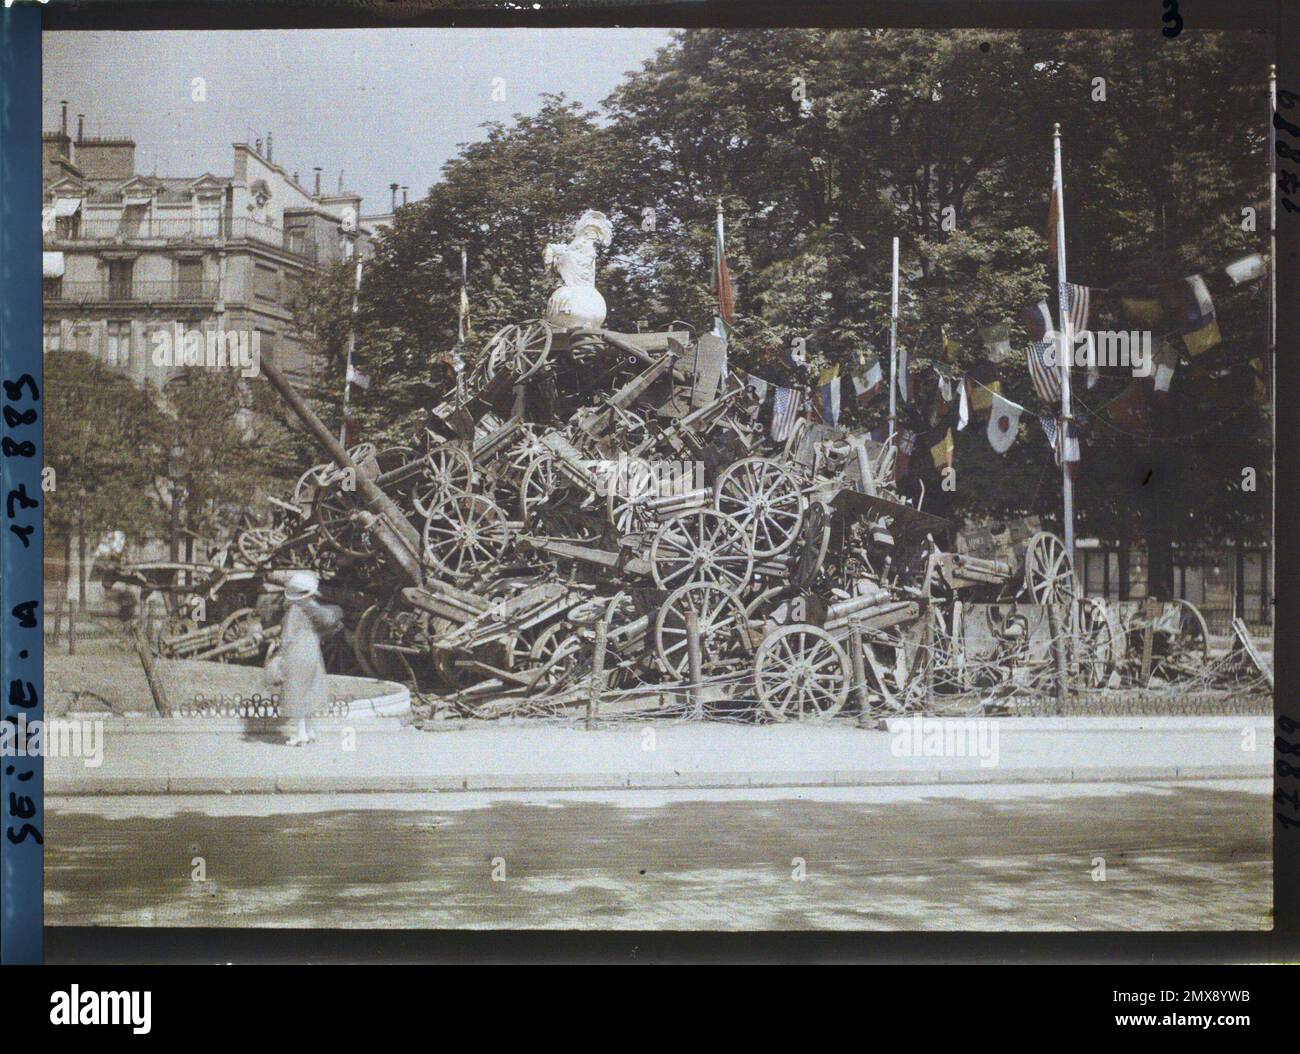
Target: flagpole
{"points": [[463, 323], [893, 350], [1067, 346], [352, 347], [1270, 367], [718, 249], [1272, 221]]}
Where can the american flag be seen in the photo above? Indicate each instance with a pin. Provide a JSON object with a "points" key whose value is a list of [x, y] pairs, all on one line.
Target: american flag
{"points": [[1052, 432], [1044, 370], [1078, 296], [785, 408]]}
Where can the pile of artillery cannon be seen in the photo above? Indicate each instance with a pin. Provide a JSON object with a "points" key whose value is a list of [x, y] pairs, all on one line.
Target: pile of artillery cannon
{"points": [[593, 515]]}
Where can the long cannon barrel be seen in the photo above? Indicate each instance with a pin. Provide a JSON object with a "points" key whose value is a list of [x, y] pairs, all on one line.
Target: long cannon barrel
{"points": [[391, 528]]}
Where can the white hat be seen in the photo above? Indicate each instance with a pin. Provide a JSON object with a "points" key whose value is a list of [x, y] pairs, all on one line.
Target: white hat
{"points": [[301, 585]]}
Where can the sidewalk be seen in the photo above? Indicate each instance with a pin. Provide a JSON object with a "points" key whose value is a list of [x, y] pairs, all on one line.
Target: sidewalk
{"points": [[381, 755]]}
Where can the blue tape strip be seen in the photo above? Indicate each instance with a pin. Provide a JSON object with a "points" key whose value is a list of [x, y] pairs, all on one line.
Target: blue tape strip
{"points": [[22, 806]]}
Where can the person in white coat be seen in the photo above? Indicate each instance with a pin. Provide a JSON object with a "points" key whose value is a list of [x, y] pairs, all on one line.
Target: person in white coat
{"points": [[302, 666]]}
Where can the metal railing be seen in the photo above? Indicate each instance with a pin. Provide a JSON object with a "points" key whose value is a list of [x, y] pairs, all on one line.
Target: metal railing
{"points": [[125, 230], [122, 292]]}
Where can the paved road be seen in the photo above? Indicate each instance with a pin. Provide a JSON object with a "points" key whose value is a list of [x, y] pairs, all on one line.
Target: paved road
{"points": [[1192, 855]]}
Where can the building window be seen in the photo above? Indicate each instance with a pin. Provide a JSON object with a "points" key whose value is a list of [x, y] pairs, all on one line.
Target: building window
{"points": [[190, 274], [118, 349], [83, 337], [52, 335], [266, 282], [52, 288], [119, 279]]}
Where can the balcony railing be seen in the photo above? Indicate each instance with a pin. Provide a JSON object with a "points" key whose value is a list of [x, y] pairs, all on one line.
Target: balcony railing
{"points": [[130, 292], [126, 230]]}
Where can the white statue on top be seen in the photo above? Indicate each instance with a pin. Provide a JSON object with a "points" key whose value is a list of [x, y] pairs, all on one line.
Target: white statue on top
{"points": [[577, 303]]}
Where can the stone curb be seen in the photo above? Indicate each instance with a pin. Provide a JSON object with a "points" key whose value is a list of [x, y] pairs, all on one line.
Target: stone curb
{"points": [[92, 786]]}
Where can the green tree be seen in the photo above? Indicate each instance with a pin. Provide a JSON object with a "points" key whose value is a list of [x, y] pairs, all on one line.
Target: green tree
{"points": [[105, 439]]}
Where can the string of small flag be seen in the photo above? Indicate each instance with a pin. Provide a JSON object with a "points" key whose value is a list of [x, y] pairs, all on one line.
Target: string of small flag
{"points": [[1185, 310]]}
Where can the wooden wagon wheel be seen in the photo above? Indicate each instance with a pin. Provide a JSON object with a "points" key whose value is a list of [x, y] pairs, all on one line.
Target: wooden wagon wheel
{"points": [[904, 661], [361, 640], [814, 542], [514, 464], [701, 545], [1095, 643], [1189, 648], [465, 535], [388, 640], [523, 349], [628, 491], [764, 498], [310, 483], [723, 627], [242, 625], [448, 470], [1049, 571], [555, 654], [544, 486], [258, 544], [333, 513], [801, 673]]}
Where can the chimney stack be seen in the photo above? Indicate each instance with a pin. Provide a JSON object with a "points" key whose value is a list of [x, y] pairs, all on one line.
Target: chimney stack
{"points": [[404, 190], [317, 170], [81, 127], [268, 146], [393, 187], [63, 122]]}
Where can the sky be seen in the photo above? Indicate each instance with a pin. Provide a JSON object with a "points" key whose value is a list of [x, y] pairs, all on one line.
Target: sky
{"points": [[382, 105]]}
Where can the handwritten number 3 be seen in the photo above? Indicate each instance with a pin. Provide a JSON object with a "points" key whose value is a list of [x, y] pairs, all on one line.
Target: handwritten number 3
{"points": [[1171, 15]]}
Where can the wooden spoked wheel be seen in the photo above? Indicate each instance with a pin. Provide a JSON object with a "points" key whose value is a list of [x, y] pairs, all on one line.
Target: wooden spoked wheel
{"points": [[701, 545], [245, 627], [1094, 643], [334, 512], [555, 655], [905, 660], [465, 535], [1049, 571], [1188, 646], [801, 674], [521, 349], [258, 544], [764, 498], [361, 640], [393, 631], [629, 489], [310, 483], [448, 470], [544, 487], [720, 617], [514, 465]]}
